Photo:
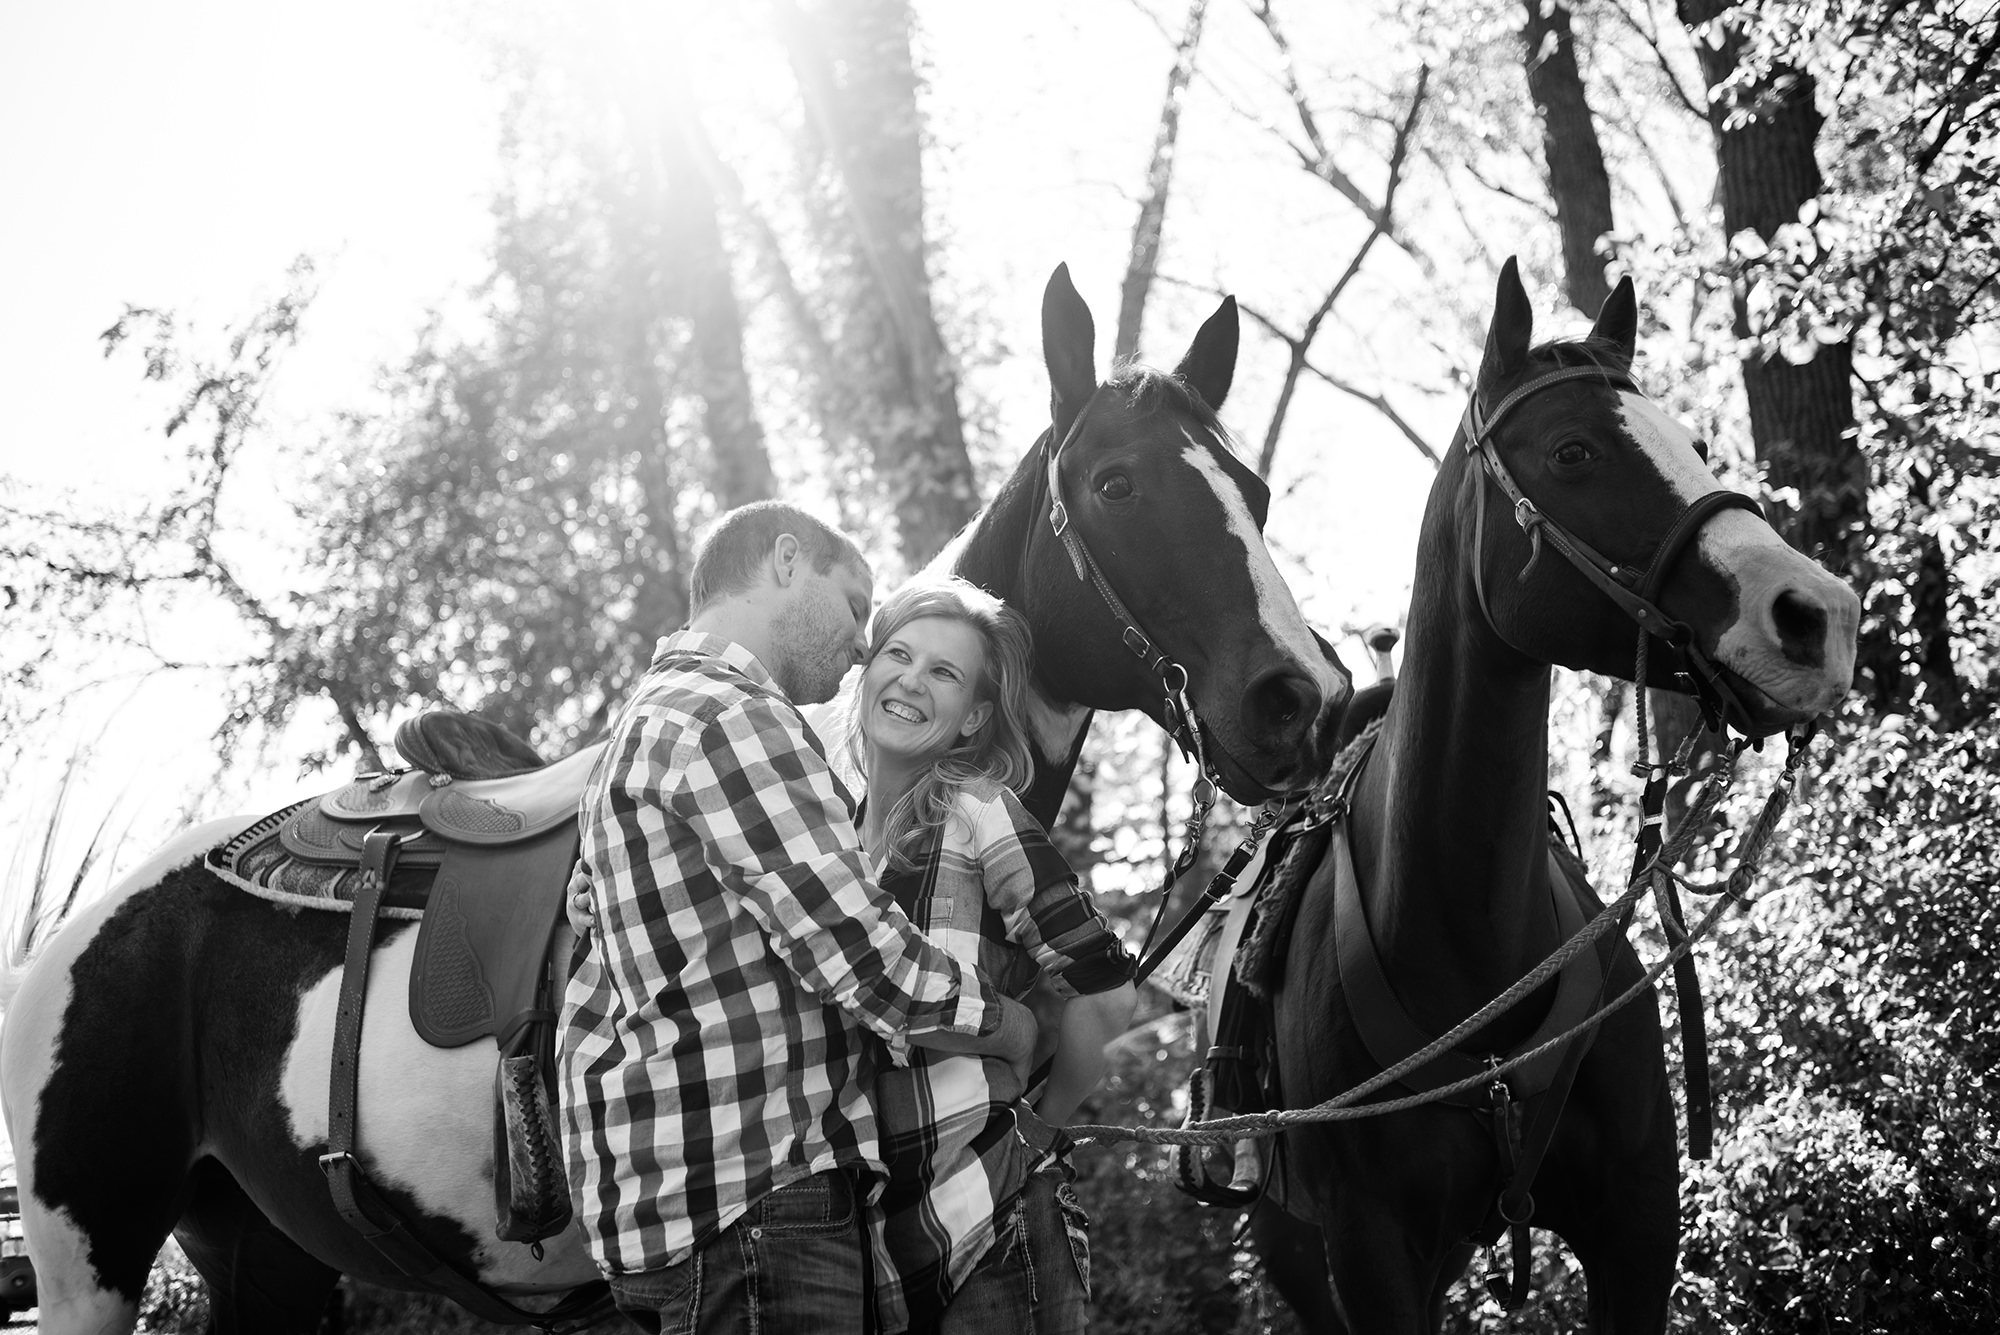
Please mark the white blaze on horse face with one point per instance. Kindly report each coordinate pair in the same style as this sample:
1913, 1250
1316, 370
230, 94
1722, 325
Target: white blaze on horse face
1762, 567
36, 1001
425, 1117
1277, 611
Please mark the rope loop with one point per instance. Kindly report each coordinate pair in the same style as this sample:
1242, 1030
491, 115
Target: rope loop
1350, 1105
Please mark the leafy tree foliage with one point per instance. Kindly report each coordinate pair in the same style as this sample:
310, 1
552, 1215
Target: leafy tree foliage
1858, 1036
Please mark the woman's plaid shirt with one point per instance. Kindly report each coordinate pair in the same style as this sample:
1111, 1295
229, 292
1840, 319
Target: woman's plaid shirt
715, 1033
991, 890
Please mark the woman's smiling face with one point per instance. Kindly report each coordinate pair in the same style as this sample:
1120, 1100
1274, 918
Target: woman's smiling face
920, 692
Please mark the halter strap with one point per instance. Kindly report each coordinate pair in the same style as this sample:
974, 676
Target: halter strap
1635, 592
1180, 718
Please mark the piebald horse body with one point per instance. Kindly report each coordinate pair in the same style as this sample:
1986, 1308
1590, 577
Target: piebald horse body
165, 1059
1449, 835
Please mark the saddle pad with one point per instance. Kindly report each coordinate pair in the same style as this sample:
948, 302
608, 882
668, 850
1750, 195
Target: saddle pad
1259, 963
259, 862
483, 946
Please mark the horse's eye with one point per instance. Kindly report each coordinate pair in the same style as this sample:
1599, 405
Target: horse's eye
1114, 487
1571, 454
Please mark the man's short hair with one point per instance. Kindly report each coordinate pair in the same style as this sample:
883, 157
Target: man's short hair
735, 548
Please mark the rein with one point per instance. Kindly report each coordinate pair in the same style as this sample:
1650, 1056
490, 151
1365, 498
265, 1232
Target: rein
1636, 593
1343, 1107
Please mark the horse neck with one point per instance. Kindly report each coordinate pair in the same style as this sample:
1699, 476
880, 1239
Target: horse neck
990, 553
1450, 841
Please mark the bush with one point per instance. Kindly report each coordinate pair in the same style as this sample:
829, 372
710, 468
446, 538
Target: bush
1857, 1030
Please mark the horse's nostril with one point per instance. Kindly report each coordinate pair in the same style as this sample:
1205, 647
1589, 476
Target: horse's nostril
1282, 703
1801, 626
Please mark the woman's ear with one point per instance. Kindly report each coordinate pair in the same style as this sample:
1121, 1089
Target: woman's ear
975, 720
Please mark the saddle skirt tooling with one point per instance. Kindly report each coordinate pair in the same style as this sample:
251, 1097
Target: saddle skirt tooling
483, 865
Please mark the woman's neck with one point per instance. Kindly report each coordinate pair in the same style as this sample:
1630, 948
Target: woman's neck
890, 778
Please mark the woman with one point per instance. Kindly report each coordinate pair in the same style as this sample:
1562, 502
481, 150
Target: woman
978, 1229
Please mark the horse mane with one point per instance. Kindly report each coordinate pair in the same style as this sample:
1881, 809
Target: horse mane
1145, 390
1592, 350
1004, 525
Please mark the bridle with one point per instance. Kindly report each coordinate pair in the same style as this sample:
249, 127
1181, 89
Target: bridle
1177, 709
1636, 592
1177, 716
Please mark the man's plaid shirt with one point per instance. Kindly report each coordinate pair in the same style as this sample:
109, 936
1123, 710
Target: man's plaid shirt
991, 890
713, 1040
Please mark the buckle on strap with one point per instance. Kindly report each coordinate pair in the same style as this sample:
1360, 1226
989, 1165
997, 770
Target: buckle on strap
337, 1159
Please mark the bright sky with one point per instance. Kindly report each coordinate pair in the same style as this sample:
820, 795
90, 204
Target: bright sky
182, 156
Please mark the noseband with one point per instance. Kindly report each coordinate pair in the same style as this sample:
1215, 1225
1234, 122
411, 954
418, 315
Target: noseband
1636, 592
1178, 714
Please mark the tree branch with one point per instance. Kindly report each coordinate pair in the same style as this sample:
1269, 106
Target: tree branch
1376, 401
1319, 160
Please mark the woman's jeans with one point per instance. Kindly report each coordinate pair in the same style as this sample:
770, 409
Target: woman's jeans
1036, 1278
796, 1261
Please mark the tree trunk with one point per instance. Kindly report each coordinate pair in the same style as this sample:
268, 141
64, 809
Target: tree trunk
705, 293
852, 60
1801, 417
1144, 261
1577, 179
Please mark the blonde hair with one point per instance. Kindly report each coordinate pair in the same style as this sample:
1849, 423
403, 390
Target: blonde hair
999, 750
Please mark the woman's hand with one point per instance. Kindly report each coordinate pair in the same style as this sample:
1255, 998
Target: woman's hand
1088, 1024
576, 903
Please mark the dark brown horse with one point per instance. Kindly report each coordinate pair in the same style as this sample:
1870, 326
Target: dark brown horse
165, 1060
1448, 829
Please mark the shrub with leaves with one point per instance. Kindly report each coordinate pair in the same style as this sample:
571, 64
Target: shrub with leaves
1857, 1032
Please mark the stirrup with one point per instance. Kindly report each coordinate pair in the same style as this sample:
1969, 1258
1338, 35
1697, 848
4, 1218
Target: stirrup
1191, 1175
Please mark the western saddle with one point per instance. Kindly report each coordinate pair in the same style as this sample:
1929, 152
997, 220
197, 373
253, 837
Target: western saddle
496, 837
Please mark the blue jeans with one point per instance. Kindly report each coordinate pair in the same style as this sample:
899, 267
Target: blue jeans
796, 1261
1036, 1278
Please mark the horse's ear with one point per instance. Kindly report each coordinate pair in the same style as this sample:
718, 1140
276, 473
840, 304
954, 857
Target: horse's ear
1618, 321
1210, 364
1069, 341
1513, 325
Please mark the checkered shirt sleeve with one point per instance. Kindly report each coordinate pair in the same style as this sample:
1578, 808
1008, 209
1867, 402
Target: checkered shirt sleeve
1047, 913
778, 833
719, 1028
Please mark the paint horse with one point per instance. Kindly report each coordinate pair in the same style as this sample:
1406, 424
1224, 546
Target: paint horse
166, 1058
1437, 890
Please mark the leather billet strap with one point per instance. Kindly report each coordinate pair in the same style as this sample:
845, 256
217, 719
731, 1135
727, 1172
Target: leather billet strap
359, 1202
1635, 592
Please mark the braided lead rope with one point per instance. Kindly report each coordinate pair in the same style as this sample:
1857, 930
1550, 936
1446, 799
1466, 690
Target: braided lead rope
1342, 1107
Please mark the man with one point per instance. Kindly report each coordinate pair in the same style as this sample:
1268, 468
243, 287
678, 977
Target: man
715, 1037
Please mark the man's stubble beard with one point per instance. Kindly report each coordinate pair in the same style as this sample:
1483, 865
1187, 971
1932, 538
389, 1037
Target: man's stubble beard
814, 656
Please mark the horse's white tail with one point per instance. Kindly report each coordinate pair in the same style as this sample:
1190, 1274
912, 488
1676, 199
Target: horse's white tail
34, 900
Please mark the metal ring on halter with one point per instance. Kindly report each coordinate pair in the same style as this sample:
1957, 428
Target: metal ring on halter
1527, 1210
1169, 670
